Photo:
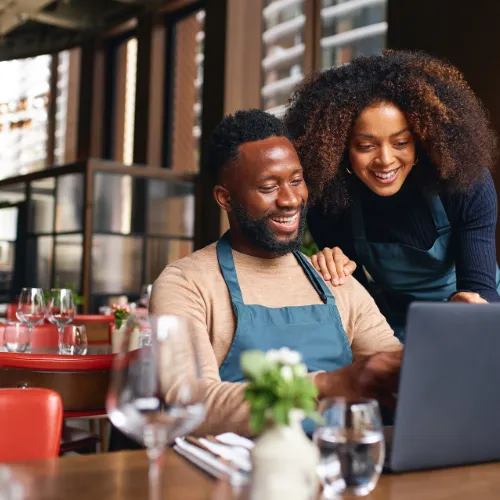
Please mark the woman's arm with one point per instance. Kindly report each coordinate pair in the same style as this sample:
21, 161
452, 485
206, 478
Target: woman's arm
474, 216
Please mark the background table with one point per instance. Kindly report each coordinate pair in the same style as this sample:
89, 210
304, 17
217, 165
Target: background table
123, 475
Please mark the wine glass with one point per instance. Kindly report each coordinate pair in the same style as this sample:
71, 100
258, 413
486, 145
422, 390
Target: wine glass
61, 310
351, 444
156, 393
31, 308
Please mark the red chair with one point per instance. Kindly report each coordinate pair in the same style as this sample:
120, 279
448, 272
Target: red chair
30, 423
10, 313
45, 335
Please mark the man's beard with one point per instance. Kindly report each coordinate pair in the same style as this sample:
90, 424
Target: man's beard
259, 233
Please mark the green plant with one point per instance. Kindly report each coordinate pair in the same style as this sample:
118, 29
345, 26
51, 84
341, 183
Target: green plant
77, 299
277, 383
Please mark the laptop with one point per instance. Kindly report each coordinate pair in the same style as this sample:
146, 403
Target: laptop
448, 408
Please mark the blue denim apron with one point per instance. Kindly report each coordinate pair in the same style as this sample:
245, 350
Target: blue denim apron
315, 331
402, 273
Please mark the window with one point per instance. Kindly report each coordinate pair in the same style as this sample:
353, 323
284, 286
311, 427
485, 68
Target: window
119, 115
351, 28
326, 33
186, 67
24, 99
284, 48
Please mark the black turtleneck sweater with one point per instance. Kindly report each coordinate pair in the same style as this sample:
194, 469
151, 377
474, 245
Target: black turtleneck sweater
406, 218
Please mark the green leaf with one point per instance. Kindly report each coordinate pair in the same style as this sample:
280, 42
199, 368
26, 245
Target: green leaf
257, 419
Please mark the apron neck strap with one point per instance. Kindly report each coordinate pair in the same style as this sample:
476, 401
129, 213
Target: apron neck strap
317, 282
228, 270
437, 211
357, 221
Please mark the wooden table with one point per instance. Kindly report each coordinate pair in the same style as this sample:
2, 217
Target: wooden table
123, 475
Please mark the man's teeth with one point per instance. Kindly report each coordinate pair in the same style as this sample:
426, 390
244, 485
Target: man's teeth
387, 175
285, 220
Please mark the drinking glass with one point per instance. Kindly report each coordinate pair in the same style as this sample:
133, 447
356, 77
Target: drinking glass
156, 394
16, 337
352, 447
61, 310
74, 340
31, 308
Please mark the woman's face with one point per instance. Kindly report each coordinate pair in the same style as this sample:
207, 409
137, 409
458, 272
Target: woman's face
382, 148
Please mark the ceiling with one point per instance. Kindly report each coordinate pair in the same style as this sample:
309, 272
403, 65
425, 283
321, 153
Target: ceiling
33, 27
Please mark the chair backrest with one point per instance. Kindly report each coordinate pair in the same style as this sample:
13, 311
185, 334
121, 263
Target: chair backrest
30, 424
10, 313
44, 335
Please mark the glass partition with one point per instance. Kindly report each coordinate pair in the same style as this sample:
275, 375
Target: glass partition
138, 222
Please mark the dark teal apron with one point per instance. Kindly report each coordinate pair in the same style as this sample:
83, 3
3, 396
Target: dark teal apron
401, 273
315, 331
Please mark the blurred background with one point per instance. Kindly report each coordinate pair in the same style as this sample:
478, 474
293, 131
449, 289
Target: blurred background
105, 106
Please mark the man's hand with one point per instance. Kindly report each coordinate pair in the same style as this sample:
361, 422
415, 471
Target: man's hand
375, 377
333, 265
470, 297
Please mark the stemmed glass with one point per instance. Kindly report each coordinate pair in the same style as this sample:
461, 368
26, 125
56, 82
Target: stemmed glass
31, 308
61, 310
156, 393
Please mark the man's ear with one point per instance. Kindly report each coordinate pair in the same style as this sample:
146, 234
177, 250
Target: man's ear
222, 197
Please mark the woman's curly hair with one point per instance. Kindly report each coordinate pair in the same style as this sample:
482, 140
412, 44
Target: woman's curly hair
453, 135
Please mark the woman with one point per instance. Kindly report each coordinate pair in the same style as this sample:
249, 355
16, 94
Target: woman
396, 150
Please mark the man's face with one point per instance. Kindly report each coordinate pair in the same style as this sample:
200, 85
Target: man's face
268, 195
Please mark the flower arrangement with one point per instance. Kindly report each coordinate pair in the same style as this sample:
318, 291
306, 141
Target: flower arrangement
277, 383
121, 314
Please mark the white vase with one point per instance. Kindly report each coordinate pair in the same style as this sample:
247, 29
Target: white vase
284, 463
117, 338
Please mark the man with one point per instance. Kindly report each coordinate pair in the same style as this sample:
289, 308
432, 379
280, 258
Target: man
254, 290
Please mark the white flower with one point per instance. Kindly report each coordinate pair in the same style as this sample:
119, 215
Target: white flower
288, 357
273, 356
286, 372
300, 370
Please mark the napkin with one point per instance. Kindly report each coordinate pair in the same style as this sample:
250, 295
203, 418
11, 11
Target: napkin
224, 456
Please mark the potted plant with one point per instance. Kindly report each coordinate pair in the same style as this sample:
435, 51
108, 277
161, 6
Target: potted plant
281, 395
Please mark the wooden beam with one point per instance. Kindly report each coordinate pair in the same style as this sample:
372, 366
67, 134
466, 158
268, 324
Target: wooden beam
51, 112
207, 213
84, 132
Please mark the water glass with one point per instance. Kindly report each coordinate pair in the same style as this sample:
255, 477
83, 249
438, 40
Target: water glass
61, 310
74, 340
352, 447
156, 392
16, 337
31, 308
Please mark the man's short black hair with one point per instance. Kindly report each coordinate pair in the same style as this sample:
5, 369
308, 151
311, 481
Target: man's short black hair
235, 130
